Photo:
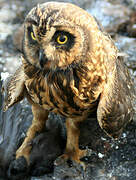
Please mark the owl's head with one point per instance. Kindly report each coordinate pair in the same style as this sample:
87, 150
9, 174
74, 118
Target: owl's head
58, 35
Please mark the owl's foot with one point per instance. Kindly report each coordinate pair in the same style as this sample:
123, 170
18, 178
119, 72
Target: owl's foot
24, 151
19, 167
74, 157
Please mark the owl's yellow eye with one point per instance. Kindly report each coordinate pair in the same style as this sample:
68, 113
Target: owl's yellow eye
62, 39
33, 36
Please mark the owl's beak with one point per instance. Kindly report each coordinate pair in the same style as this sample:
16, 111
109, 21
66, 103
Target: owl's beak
42, 58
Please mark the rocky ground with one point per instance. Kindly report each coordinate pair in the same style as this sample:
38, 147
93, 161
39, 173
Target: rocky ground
107, 159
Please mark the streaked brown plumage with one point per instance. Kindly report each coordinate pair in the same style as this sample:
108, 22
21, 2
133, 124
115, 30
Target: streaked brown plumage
13, 88
72, 68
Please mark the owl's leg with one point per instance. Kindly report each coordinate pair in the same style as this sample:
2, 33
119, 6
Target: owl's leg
38, 124
72, 150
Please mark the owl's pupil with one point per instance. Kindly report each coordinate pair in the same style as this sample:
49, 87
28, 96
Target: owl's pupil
62, 38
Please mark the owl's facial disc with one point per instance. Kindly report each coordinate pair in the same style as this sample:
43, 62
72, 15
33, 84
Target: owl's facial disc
61, 41
53, 40
44, 51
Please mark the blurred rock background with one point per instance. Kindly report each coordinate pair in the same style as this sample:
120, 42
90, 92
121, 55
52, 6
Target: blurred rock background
108, 159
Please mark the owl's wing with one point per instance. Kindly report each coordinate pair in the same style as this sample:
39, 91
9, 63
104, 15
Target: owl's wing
14, 88
116, 106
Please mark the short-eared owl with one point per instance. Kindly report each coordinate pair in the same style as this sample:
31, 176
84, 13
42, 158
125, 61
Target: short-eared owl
71, 68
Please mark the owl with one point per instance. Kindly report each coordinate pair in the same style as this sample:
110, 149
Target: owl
72, 68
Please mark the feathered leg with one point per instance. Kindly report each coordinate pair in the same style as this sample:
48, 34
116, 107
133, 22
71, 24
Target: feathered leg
38, 124
72, 150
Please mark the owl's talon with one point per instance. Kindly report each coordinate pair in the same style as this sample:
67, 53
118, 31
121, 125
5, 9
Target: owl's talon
61, 160
79, 165
64, 158
83, 166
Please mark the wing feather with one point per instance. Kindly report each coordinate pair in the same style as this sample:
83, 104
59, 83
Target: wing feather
14, 88
116, 106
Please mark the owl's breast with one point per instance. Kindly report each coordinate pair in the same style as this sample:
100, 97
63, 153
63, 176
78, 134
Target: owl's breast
55, 93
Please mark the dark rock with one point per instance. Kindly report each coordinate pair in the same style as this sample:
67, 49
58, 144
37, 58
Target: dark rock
18, 169
47, 147
128, 28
